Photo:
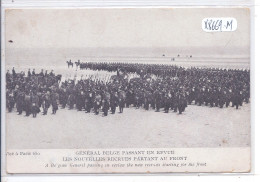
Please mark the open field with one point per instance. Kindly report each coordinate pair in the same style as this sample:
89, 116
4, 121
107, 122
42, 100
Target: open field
198, 126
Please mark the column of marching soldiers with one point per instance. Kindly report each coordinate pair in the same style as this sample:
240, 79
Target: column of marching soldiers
158, 86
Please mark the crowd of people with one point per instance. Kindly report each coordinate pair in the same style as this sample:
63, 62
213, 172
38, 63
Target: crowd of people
156, 86
30, 92
209, 86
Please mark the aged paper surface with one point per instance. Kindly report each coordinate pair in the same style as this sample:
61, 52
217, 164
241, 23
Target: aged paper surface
129, 160
127, 90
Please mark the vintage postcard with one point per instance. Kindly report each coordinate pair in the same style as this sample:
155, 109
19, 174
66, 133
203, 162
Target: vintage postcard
127, 90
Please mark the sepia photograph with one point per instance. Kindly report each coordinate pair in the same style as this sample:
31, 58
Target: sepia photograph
128, 78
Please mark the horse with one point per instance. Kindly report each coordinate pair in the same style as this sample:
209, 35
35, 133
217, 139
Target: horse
70, 63
77, 64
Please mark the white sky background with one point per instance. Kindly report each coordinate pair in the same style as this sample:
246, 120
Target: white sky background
121, 31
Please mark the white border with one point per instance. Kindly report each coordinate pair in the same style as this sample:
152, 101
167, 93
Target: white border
135, 3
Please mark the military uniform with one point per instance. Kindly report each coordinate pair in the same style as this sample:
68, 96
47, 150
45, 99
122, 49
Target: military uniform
35, 105
113, 102
97, 103
105, 106
28, 104
54, 102
20, 105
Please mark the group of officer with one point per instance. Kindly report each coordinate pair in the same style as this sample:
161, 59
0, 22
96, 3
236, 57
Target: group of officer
32, 92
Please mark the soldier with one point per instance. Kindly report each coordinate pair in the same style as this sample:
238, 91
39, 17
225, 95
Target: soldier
35, 104
208, 98
138, 99
246, 94
33, 72
29, 73
63, 97
181, 102
7, 75
97, 102
51, 73
46, 102
221, 99
113, 102
28, 103
191, 95
71, 101
174, 101
236, 98
41, 73
105, 106
89, 101
20, 102
129, 97
80, 98
212, 97
158, 98
13, 72
54, 102
121, 100
167, 102
147, 99
10, 100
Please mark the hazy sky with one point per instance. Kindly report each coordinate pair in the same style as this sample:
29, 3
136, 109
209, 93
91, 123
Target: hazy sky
104, 28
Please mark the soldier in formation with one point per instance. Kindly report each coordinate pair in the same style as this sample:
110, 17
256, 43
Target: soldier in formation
29, 93
159, 87
213, 87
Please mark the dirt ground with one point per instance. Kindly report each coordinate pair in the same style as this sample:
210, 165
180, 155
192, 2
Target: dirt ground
198, 126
